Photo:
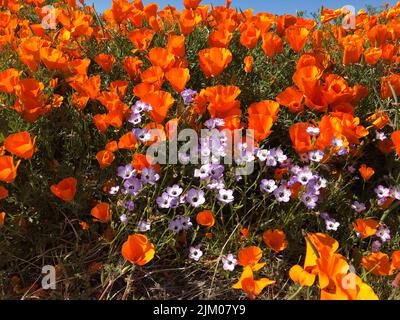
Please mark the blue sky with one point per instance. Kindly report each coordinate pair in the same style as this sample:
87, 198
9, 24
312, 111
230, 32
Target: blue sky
273, 6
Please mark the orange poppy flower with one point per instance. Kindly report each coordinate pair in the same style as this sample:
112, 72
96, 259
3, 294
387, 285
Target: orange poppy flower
396, 140
271, 44
9, 79
323, 244
65, 189
178, 78
3, 193
111, 146
372, 55
244, 233
275, 239
161, 102
366, 172
141, 38
301, 139
8, 170
396, 260
222, 101
353, 48
248, 64
191, 4
388, 83
2, 218
188, 20
132, 66
249, 36
176, 45
250, 256
138, 250
292, 98
220, 37
379, 119
307, 78
377, 263
329, 267
105, 158
105, 61
100, 122
101, 212
161, 57
213, 61
302, 277
296, 36
20, 144
127, 141
365, 227
265, 107
141, 89
261, 124
141, 161
251, 286
154, 76
205, 218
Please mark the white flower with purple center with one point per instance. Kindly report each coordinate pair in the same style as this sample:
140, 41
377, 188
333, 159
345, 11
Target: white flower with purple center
128, 205
279, 155
380, 136
215, 184
149, 176
382, 192
309, 199
144, 225
383, 233
175, 226
304, 176
126, 172
195, 197
268, 185
143, 135
165, 201
214, 123
303, 157
140, 107
124, 219
313, 131
336, 142
185, 222
331, 224
282, 194
262, 154
324, 215
195, 253
315, 155
188, 96
216, 171
225, 195
229, 262
113, 190
351, 169
174, 191
135, 118
358, 206
132, 186
376, 246
395, 193
203, 172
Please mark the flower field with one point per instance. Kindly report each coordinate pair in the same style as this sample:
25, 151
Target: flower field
205, 153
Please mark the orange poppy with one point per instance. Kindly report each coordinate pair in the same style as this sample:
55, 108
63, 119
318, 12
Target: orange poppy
141, 161
292, 98
141, 38
377, 263
105, 158
220, 37
249, 36
329, 267
105, 61
154, 76
302, 277
111, 146
388, 83
138, 250
365, 227
188, 20
372, 55
9, 79
191, 4
20, 144
250, 256
53, 59
162, 58
248, 64
2, 218
275, 239
132, 65
396, 260
301, 139
8, 170
65, 189
127, 141
366, 172
265, 107
379, 119
307, 78
178, 78
261, 124
296, 36
222, 101
213, 61
161, 102
3, 193
396, 140
321, 244
271, 44
251, 286
176, 45
101, 212
205, 218
100, 122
